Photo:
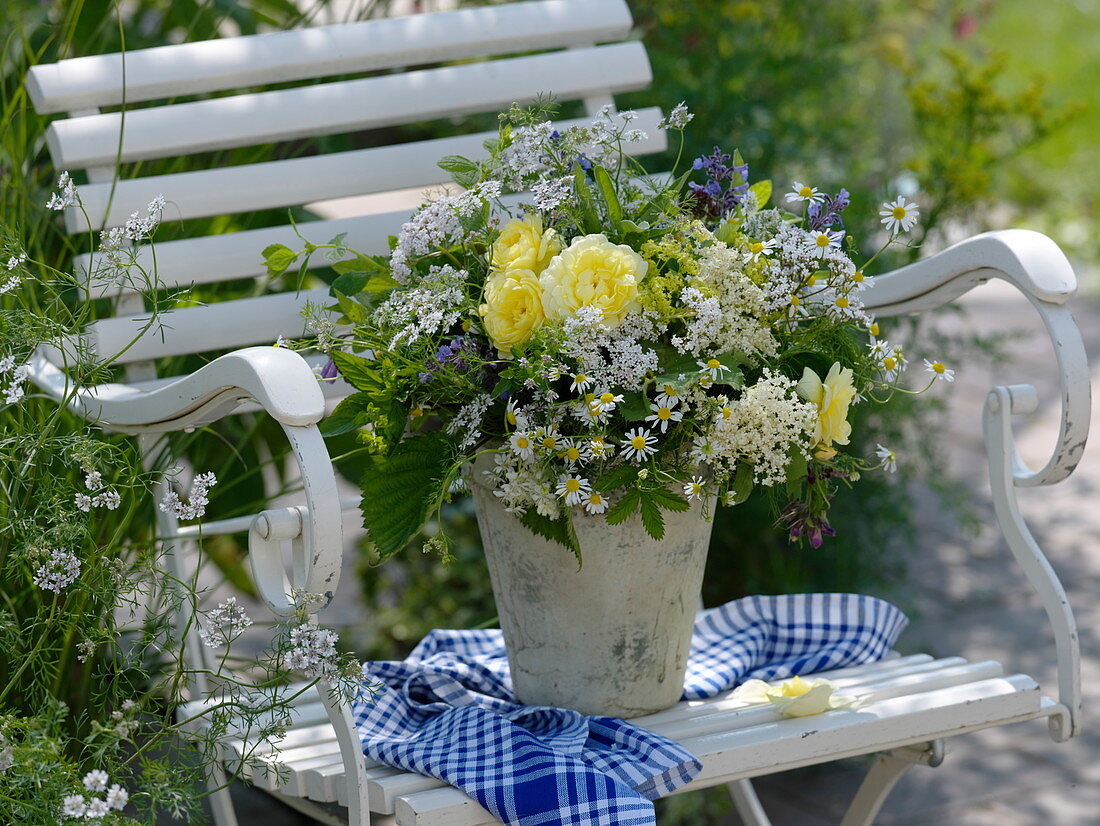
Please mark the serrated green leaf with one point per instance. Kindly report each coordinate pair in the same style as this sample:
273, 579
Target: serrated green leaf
669, 500
618, 477
634, 407
357, 371
356, 312
362, 263
763, 192
558, 530
610, 198
349, 414
652, 519
278, 257
399, 490
624, 508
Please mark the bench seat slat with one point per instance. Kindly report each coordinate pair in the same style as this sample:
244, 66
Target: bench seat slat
344, 106
238, 62
300, 180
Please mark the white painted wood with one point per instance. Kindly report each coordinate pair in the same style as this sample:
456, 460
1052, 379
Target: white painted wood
238, 62
345, 106
885, 772
748, 804
300, 180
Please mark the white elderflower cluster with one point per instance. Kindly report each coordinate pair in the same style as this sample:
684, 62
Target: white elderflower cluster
312, 651
468, 420
104, 497
431, 308
519, 485
195, 507
760, 427
436, 224
224, 624
87, 807
611, 357
729, 316
13, 391
58, 571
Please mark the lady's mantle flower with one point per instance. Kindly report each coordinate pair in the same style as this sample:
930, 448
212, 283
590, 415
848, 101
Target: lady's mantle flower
593, 272
58, 572
662, 415
832, 397
888, 457
595, 503
224, 624
575, 489
939, 371
639, 444
802, 192
795, 697
195, 507
899, 215
695, 488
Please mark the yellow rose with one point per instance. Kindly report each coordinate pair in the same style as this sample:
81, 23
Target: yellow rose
832, 397
523, 245
796, 697
593, 272
513, 308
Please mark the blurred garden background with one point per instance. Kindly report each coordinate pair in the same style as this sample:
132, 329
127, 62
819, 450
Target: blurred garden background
982, 111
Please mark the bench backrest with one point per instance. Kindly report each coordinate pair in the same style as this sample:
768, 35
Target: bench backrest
203, 97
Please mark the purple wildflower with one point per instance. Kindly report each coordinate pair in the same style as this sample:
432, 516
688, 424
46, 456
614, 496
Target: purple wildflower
824, 215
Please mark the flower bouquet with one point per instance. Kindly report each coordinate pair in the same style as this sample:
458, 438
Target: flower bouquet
609, 348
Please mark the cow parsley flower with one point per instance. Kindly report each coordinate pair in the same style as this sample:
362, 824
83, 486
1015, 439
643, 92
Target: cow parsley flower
74, 805
195, 507
224, 624
550, 193
10, 284
97, 808
678, 118
899, 215
57, 572
117, 797
65, 196
7, 754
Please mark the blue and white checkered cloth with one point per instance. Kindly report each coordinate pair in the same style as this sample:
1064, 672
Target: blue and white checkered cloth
448, 710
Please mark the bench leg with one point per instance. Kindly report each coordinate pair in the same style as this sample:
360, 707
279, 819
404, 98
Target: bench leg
747, 803
221, 803
885, 772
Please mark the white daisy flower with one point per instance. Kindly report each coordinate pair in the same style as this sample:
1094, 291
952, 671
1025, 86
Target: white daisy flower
639, 444
548, 439
512, 414
802, 192
598, 448
879, 348
695, 488
795, 308
595, 503
899, 215
574, 489
570, 454
702, 450
938, 370
607, 401
888, 458
662, 415
825, 240
761, 248
523, 445
580, 382
668, 397
711, 366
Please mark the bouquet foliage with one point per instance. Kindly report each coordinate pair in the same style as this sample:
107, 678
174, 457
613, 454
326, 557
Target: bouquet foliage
622, 342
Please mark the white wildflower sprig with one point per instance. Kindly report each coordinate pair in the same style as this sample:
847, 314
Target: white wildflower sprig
678, 118
888, 458
312, 651
65, 196
939, 371
224, 624
195, 507
58, 571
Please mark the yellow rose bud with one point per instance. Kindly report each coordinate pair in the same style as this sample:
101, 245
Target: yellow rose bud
593, 272
523, 245
832, 397
513, 308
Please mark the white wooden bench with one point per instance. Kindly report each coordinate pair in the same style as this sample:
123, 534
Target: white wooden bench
916, 701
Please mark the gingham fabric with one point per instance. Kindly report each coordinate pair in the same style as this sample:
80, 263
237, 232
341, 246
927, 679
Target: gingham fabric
448, 710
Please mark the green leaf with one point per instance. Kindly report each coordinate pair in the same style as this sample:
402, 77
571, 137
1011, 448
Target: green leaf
456, 163
357, 371
356, 312
278, 258
797, 467
742, 484
400, 490
590, 221
607, 190
669, 500
350, 414
350, 283
624, 508
558, 530
652, 519
362, 263
618, 477
634, 407
763, 192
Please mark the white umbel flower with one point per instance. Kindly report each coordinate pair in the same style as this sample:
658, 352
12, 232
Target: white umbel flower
96, 780
74, 805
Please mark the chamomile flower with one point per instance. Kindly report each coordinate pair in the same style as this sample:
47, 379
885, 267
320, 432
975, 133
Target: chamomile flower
547, 439
859, 281
595, 503
888, 458
668, 397
571, 454
695, 488
939, 371
580, 382
599, 448
823, 241
702, 451
795, 308
880, 348
711, 366
574, 489
512, 414
607, 401
639, 444
523, 445
899, 215
802, 192
662, 415
761, 248
873, 330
